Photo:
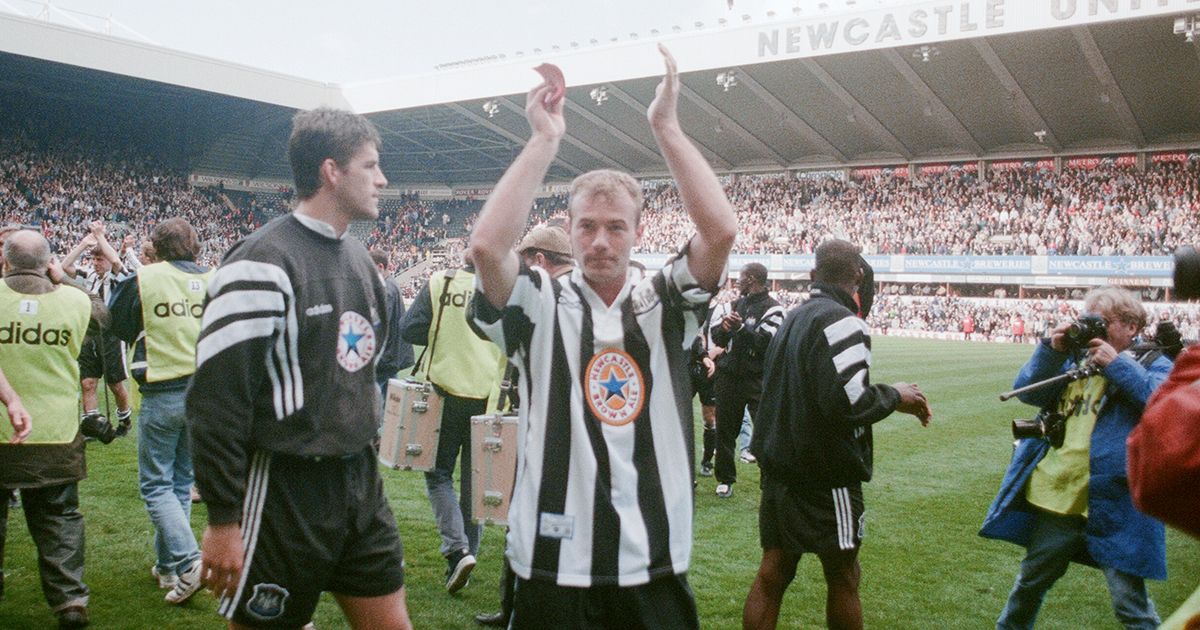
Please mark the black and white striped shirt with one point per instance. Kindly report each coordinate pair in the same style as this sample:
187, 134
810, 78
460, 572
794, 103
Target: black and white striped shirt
101, 286
604, 489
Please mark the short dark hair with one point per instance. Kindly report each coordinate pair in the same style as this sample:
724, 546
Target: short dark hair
758, 271
321, 134
837, 262
379, 257
175, 239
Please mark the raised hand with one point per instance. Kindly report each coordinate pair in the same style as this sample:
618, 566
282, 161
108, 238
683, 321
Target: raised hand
545, 120
54, 270
663, 111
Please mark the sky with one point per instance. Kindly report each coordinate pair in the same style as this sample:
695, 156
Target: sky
349, 41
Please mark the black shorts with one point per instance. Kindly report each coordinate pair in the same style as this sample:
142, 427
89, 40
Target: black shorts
311, 525
102, 355
665, 602
803, 520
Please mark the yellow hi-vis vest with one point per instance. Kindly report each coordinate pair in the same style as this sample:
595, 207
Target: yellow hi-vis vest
172, 304
40, 339
460, 363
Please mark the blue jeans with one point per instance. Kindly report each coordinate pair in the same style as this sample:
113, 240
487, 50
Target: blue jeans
746, 433
453, 514
165, 478
1055, 540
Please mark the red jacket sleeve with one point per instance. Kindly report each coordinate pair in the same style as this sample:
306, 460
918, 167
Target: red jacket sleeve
1164, 449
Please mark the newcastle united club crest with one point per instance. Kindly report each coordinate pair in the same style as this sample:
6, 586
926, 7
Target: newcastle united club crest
355, 341
267, 602
616, 390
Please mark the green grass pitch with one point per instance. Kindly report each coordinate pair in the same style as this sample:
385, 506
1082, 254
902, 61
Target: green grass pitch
923, 564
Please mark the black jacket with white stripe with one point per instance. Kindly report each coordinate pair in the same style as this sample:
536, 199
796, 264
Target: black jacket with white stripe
292, 327
818, 404
746, 346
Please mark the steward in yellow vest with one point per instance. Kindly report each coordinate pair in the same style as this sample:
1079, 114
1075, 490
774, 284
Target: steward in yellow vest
459, 362
158, 311
466, 369
164, 300
41, 331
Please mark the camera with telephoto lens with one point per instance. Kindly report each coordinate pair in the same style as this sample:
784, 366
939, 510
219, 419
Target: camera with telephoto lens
1085, 329
96, 426
1048, 425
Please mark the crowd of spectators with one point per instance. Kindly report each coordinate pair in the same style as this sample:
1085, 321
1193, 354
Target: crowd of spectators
981, 318
1016, 320
1103, 211
407, 228
63, 190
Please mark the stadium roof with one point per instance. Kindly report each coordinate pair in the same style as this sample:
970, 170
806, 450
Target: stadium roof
818, 85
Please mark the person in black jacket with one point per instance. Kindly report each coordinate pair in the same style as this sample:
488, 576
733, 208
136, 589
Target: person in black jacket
813, 441
284, 409
744, 334
397, 354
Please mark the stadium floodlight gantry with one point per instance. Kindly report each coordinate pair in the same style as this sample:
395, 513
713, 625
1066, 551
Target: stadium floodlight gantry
838, 85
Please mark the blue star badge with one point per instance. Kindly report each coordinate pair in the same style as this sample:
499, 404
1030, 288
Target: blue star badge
352, 338
614, 385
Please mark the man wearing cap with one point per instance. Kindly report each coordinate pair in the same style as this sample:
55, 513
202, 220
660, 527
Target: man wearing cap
546, 246
743, 333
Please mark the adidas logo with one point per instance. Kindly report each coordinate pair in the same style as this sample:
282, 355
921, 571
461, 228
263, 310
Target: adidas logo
15, 333
182, 308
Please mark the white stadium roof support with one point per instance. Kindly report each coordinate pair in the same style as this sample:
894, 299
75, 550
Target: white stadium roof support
782, 37
98, 51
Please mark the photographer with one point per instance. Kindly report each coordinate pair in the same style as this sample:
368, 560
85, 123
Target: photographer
1071, 502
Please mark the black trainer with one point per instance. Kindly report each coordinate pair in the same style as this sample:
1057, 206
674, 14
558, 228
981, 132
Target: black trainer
458, 570
124, 421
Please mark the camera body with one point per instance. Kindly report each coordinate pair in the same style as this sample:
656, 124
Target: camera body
1085, 329
1048, 425
96, 426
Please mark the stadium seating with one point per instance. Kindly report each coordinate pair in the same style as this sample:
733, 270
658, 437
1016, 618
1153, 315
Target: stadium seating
1102, 211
